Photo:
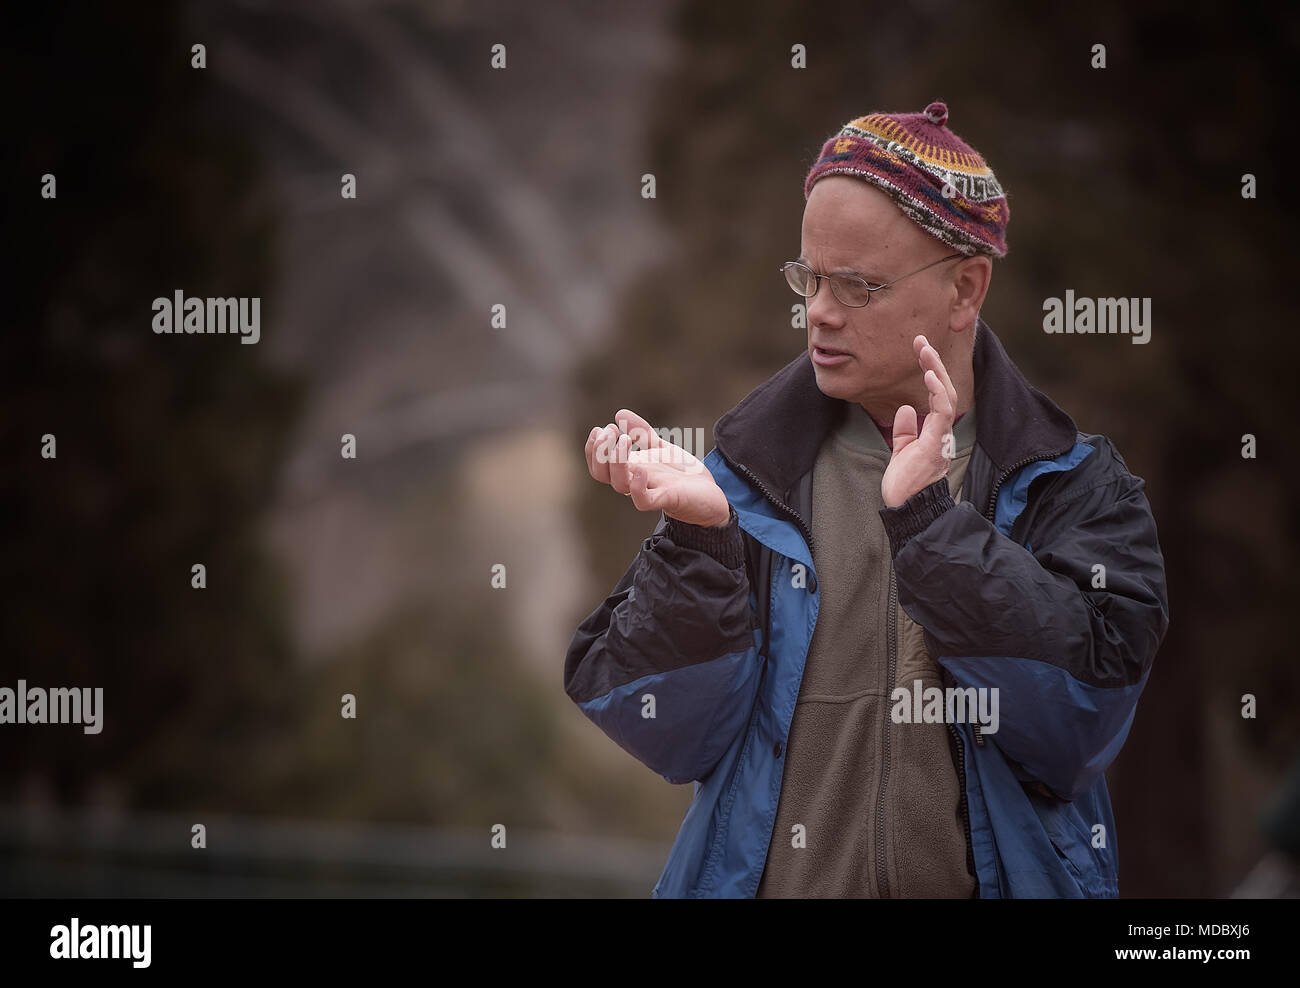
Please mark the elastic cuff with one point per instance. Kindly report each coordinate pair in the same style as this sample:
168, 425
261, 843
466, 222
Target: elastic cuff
722, 542
914, 515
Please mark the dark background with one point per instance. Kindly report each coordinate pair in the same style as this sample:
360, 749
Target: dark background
522, 187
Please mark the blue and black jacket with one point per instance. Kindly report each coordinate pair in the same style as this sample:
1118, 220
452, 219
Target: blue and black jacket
1046, 582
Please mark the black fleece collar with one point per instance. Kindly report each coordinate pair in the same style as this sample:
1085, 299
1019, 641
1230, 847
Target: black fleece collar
776, 430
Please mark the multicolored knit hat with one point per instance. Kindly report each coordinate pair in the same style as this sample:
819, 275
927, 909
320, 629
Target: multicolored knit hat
915, 158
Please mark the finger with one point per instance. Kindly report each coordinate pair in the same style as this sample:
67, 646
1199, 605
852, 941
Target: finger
639, 429
904, 428
648, 438
939, 401
589, 450
595, 439
939, 420
930, 360
939, 423
593, 443
645, 498
618, 464
604, 452
672, 456
658, 472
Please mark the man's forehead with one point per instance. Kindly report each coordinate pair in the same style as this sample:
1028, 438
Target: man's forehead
850, 226
836, 259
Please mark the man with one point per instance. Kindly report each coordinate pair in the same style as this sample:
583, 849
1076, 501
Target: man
895, 625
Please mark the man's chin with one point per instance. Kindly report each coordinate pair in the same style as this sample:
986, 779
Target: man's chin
833, 383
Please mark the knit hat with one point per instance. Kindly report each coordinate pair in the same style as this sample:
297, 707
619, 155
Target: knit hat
914, 157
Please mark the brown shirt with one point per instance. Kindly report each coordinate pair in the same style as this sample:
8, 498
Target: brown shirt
875, 804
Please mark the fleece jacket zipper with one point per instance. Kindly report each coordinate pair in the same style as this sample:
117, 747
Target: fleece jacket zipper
882, 869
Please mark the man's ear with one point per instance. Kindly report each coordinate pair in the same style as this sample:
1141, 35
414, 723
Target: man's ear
971, 284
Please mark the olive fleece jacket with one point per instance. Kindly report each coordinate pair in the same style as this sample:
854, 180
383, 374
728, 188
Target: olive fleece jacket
878, 801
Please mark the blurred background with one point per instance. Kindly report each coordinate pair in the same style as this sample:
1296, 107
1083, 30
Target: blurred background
521, 186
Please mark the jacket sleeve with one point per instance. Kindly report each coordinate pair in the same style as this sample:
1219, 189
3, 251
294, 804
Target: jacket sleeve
1068, 645
668, 665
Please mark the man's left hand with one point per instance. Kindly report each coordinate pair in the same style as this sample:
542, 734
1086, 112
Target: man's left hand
918, 461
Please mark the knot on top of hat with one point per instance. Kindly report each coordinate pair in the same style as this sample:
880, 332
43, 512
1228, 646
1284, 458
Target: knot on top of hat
937, 113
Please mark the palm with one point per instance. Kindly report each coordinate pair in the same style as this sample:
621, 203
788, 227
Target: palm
689, 492
658, 475
918, 465
918, 460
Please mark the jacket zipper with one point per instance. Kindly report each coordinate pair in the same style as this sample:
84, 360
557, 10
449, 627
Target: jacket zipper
798, 520
963, 802
749, 475
965, 810
882, 869
993, 497
989, 513
952, 728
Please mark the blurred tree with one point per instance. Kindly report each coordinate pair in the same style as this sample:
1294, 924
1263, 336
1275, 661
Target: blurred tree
167, 446
168, 449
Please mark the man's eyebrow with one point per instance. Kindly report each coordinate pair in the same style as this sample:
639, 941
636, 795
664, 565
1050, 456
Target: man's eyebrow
871, 278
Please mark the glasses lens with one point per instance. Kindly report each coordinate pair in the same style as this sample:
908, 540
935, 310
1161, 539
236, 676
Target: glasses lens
801, 279
849, 290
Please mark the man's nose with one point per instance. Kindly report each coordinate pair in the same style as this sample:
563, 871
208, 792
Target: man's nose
823, 307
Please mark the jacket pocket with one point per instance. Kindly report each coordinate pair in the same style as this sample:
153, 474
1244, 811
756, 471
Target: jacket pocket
1071, 838
720, 823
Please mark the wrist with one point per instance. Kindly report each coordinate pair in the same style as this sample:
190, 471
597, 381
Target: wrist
722, 542
896, 500
722, 520
913, 516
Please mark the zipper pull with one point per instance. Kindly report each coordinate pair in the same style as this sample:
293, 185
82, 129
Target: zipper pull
979, 737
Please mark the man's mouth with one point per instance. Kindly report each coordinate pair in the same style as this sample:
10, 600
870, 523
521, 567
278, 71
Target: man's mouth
829, 351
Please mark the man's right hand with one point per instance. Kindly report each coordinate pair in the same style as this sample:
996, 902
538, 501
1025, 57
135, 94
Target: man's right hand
658, 475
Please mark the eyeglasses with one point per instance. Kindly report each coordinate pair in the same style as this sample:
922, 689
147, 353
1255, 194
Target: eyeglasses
849, 289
